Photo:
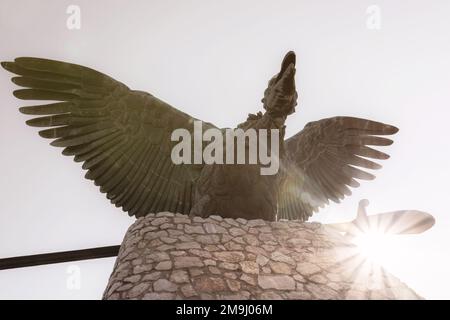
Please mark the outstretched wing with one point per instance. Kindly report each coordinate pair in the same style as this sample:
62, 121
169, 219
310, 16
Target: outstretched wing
121, 136
322, 163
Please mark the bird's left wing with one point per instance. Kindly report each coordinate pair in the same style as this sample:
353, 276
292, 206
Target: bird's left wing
322, 163
122, 136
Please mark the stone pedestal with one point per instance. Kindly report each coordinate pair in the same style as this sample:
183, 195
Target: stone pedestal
171, 256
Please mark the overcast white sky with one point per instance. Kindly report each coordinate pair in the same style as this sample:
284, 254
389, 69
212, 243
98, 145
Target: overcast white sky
212, 59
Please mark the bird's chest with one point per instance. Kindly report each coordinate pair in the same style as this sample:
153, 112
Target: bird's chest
236, 191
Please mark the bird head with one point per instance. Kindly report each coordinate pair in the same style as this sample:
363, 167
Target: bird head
280, 97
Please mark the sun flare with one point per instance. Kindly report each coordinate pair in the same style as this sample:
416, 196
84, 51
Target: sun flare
375, 246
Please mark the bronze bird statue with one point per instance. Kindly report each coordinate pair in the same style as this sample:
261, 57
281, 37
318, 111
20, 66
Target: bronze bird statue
123, 138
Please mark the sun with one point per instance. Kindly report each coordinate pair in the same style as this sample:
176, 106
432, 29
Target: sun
376, 246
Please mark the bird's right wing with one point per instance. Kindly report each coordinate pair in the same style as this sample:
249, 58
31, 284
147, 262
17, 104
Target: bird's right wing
122, 136
322, 163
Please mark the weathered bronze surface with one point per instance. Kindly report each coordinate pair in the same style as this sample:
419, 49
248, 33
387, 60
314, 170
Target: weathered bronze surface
122, 136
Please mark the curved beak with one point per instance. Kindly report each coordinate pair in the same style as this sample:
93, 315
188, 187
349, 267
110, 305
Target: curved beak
287, 72
289, 58
280, 97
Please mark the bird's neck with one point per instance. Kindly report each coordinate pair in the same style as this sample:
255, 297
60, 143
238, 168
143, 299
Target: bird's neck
264, 121
278, 121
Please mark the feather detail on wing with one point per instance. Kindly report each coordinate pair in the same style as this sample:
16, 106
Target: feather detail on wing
122, 136
324, 160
